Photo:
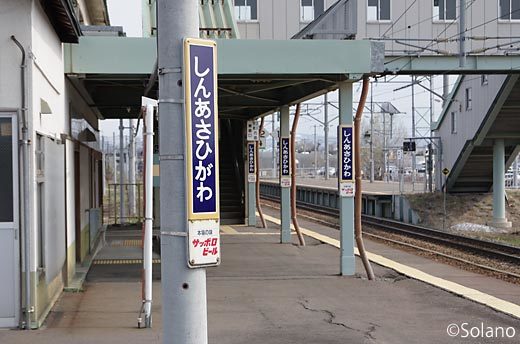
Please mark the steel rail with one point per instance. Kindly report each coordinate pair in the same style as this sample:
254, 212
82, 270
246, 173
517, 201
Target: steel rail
485, 248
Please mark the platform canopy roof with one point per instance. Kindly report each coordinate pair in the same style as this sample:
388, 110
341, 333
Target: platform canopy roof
255, 77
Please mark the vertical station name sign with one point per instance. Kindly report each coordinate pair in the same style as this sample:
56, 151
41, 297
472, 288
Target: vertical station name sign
251, 162
200, 80
346, 161
285, 167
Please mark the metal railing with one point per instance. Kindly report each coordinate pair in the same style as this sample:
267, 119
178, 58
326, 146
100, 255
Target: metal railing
129, 209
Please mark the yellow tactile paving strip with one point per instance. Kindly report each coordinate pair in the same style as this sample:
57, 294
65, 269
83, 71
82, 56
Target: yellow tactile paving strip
122, 261
126, 243
458, 289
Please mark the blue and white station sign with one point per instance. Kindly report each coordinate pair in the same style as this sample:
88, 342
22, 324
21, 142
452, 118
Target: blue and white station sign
200, 80
251, 162
346, 161
285, 162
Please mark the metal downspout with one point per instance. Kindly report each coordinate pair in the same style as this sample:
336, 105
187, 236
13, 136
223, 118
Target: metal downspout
294, 216
357, 167
25, 158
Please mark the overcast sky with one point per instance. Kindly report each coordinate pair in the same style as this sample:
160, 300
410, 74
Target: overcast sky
127, 13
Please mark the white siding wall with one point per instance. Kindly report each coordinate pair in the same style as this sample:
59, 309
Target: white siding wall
15, 21
417, 22
276, 20
47, 83
468, 121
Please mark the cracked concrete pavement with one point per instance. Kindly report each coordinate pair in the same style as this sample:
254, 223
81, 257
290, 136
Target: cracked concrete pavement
265, 292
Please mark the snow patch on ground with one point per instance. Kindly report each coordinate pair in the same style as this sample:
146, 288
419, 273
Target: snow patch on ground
472, 227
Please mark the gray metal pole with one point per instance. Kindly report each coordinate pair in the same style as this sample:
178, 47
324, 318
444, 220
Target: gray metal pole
121, 172
315, 154
413, 132
326, 133
114, 169
346, 204
251, 192
131, 169
103, 165
499, 194
184, 305
285, 199
462, 29
385, 164
273, 145
371, 133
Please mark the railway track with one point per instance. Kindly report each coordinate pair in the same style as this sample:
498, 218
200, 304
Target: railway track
482, 248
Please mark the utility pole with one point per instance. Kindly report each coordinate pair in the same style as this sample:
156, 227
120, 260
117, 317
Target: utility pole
114, 169
462, 29
385, 172
326, 133
273, 145
121, 172
184, 305
413, 132
103, 165
371, 132
131, 169
315, 153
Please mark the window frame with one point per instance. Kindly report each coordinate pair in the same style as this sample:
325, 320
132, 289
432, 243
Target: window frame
442, 21
468, 95
304, 21
245, 20
378, 21
453, 122
509, 20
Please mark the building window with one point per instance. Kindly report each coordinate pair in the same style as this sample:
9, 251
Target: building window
509, 9
453, 122
246, 10
378, 10
469, 98
444, 9
311, 9
484, 79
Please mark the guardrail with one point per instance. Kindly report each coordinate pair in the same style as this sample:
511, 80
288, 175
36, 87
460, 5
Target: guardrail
321, 197
326, 200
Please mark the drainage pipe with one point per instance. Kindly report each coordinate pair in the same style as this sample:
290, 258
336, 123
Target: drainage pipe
25, 170
148, 222
293, 176
357, 166
257, 163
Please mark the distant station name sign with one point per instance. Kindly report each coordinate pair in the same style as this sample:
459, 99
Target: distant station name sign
346, 161
200, 80
409, 146
251, 162
285, 162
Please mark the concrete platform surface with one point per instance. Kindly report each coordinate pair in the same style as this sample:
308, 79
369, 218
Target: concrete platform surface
265, 292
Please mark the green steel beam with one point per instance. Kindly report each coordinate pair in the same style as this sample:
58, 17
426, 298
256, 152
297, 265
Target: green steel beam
129, 55
476, 64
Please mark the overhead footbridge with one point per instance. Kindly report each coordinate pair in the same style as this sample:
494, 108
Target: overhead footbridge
480, 123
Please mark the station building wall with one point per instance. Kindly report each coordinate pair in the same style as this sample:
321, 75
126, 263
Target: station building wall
52, 173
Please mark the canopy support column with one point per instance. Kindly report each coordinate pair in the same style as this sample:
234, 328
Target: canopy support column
499, 192
346, 204
285, 190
